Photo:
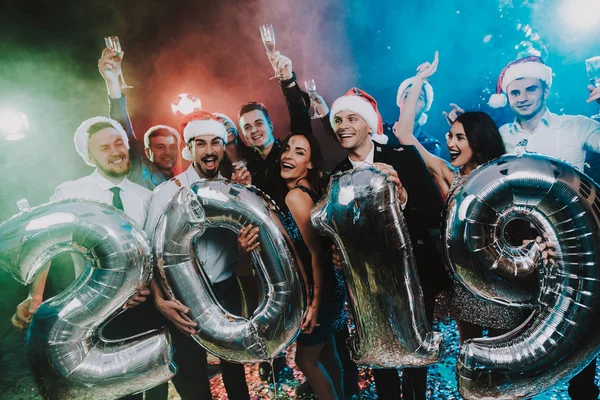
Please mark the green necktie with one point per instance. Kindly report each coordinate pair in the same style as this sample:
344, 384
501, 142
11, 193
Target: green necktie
117, 202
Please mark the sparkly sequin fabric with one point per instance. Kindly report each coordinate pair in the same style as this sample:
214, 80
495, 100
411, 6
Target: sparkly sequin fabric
464, 306
331, 316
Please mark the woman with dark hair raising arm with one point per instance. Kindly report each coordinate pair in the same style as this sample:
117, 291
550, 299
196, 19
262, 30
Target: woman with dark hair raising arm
472, 140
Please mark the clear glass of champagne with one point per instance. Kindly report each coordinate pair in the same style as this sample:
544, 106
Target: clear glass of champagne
592, 66
267, 33
112, 42
311, 89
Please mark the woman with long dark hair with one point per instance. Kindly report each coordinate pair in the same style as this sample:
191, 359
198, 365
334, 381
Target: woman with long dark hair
472, 140
300, 167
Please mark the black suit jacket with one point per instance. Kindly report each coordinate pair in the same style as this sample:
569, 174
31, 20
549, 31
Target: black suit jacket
423, 211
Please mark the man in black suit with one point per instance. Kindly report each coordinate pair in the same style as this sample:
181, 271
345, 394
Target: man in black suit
357, 125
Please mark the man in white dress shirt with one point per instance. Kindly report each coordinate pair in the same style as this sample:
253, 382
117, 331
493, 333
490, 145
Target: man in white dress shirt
526, 83
217, 253
102, 143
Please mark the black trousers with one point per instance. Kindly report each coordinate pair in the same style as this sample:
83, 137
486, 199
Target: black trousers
582, 386
387, 381
414, 380
192, 381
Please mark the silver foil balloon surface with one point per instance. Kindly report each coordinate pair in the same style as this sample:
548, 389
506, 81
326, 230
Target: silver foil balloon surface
361, 212
68, 356
563, 334
221, 204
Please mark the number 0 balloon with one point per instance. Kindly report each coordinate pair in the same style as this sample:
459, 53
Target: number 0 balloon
221, 204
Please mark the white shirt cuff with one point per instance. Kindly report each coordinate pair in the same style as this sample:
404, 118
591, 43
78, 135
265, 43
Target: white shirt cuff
403, 205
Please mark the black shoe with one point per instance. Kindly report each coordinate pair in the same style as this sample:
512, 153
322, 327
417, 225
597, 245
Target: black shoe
282, 371
304, 389
264, 371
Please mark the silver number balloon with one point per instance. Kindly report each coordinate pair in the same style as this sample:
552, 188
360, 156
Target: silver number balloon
360, 211
563, 335
69, 357
221, 204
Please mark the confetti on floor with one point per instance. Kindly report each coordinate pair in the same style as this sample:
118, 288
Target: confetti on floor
441, 380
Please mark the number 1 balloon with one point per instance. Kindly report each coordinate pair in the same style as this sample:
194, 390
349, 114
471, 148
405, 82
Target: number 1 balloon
360, 211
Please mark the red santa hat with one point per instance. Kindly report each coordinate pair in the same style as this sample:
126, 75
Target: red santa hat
407, 83
161, 127
200, 123
82, 136
363, 104
527, 67
224, 119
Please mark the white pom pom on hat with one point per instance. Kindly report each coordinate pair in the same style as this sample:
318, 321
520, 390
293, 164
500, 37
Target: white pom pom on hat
527, 67
82, 136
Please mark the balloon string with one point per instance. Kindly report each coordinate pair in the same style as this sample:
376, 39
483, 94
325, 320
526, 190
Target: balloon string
274, 380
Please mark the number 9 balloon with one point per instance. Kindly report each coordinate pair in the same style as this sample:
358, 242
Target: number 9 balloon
563, 334
68, 355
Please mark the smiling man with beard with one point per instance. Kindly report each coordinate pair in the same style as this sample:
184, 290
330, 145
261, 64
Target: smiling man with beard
103, 144
216, 253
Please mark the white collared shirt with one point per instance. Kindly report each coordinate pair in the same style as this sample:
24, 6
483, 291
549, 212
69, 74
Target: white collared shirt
216, 249
367, 161
567, 137
135, 198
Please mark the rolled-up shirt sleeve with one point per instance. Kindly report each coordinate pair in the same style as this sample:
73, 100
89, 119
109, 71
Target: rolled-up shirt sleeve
590, 130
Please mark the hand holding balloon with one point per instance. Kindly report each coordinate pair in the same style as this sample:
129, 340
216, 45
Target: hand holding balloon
338, 261
25, 310
248, 239
138, 298
546, 250
392, 176
175, 312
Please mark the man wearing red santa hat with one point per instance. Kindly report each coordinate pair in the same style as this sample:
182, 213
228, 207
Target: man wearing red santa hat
206, 138
526, 83
359, 129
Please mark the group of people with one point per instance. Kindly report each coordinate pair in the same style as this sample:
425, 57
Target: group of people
291, 172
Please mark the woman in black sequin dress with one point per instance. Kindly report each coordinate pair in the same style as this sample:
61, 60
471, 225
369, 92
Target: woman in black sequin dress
316, 356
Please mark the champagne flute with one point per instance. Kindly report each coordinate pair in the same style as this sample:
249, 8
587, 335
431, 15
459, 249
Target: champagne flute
112, 42
311, 89
267, 33
592, 66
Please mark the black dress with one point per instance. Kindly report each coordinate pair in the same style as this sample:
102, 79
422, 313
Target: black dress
331, 318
